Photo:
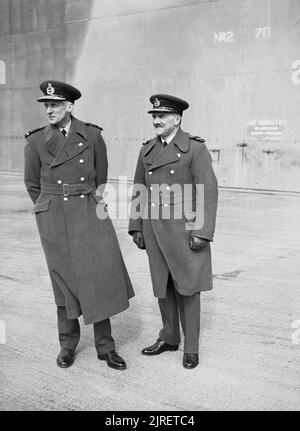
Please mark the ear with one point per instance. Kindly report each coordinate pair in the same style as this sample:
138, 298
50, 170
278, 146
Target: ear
70, 107
177, 120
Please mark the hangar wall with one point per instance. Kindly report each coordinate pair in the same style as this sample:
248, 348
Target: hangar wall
237, 62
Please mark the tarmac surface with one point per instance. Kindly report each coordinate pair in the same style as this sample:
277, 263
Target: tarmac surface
250, 337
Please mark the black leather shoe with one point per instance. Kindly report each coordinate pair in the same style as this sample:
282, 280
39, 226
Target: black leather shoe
190, 360
65, 358
113, 360
158, 347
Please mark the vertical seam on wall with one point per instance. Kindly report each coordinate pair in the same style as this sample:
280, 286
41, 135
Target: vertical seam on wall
65, 33
9, 70
243, 57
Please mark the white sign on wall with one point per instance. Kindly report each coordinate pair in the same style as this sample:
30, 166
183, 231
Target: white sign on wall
2, 72
2, 332
296, 74
266, 130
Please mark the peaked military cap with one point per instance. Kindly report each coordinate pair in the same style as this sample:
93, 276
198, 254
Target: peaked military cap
166, 103
58, 91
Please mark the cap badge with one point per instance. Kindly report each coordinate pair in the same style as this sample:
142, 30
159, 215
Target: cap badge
50, 90
156, 103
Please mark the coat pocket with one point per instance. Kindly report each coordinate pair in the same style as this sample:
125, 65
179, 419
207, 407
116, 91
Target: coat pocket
41, 206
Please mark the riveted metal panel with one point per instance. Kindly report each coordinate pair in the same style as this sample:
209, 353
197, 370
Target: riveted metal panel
236, 61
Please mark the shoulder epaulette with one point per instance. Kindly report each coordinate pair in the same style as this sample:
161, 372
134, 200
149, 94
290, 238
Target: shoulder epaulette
33, 131
94, 125
197, 138
147, 142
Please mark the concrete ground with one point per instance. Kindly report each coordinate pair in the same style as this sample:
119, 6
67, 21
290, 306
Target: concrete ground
249, 345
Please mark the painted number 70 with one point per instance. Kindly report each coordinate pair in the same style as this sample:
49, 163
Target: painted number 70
262, 33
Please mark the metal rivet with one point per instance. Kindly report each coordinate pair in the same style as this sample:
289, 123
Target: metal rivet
80, 144
65, 198
82, 179
81, 161
172, 172
153, 204
82, 196
150, 173
59, 181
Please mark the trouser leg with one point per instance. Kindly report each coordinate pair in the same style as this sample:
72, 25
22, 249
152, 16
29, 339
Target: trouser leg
170, 332
104, 341
68, 330
189, 311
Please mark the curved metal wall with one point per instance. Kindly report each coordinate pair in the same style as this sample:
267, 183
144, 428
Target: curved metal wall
237, 62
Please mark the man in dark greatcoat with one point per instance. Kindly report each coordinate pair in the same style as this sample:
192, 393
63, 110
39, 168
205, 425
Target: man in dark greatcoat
173, 217
65, 162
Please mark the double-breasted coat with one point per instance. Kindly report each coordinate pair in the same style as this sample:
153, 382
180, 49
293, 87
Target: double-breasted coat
180, 167
87, 271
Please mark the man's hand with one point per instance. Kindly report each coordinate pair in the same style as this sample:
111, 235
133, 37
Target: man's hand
138, 238
197, 243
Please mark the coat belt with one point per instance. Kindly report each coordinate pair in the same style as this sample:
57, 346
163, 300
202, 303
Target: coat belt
68, 189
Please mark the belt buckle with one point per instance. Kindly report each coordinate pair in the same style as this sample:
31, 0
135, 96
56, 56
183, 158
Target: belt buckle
66, 189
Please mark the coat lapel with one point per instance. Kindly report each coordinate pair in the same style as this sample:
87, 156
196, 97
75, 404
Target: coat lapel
75, 143
170, 153
182, 141
54, 140
152, 151
165, 156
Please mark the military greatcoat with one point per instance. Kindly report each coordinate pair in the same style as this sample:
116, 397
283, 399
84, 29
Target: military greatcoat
86, 267
185, 161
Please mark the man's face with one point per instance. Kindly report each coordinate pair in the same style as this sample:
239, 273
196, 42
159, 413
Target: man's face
58, 112
165, 124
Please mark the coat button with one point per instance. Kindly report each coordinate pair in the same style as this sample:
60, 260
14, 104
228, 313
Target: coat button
81, 161
82, 196
59, 181
65, 198
80, 144
172, 171
150, 173
178, 155
82, 179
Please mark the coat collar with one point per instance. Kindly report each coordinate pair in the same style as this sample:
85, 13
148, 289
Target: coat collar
149, 145
155, 156
62, 148
182, 141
